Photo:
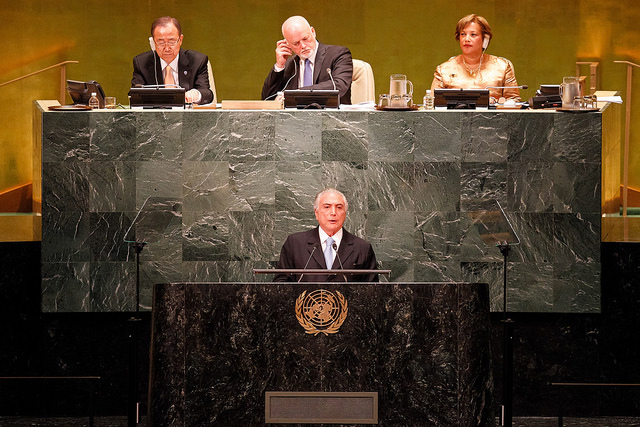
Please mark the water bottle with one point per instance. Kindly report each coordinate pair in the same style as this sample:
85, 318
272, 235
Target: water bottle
427, 101
93, 101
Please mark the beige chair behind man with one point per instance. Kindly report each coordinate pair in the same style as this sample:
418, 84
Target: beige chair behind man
212, 84
363, 86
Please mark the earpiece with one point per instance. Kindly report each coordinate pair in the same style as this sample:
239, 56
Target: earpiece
153, 49
485, 43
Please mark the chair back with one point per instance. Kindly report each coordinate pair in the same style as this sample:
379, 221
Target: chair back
363, 86
212, 83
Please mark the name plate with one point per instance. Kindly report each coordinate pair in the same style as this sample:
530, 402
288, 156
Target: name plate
291, 407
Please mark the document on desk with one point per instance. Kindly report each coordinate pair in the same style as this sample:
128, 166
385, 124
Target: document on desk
361, 106
615, 99
251, 105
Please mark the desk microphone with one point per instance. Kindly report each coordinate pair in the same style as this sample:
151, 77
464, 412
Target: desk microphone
502, 100
332, 81
305, 266
508, 87
335, 248
152, 44
295, 73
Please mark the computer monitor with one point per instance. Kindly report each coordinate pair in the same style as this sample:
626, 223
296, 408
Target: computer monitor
80, 92
461, 98
311, 99
156, 97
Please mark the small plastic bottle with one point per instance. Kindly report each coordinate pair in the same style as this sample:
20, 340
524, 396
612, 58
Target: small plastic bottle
427, 101
93, 101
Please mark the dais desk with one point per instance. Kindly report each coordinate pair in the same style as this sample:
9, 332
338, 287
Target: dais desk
248, 178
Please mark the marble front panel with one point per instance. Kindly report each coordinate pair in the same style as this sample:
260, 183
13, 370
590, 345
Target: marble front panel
218, 348
247, 179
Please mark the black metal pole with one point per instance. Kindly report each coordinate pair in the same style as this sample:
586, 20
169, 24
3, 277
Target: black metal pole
507, 349
133, 412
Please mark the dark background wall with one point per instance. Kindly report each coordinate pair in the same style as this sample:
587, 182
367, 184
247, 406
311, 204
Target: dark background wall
548, 347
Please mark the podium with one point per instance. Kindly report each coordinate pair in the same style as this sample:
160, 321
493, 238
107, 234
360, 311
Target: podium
219, 350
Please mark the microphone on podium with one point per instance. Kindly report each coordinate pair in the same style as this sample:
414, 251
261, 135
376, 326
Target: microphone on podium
335, 248
332, 81
305, 266
502, 99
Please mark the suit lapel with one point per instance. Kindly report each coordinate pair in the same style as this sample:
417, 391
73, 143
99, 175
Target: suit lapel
319, 64
291, 69
158, 78
318, 256
184, 70
345, 251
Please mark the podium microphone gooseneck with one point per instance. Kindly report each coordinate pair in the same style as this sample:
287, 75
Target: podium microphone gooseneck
332, 81
502, 100
305, 266
508, 87
335, 248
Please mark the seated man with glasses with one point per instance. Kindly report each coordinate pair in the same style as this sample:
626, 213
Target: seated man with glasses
173, 65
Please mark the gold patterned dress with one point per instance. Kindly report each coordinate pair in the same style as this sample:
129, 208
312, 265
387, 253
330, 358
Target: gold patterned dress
494, 71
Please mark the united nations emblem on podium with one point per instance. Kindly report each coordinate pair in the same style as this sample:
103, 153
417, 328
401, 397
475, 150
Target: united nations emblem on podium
321, 311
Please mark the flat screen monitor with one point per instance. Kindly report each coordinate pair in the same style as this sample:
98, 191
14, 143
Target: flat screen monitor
311, 99
80, 92
156, 97
461, 98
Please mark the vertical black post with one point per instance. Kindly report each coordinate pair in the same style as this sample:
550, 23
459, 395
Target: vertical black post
507, 349
133, 408
92, 400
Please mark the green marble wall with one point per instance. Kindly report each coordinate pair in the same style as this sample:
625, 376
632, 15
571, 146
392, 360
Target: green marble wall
247, 179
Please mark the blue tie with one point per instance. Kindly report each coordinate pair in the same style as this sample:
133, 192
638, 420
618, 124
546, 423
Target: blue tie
328, 255
308, 74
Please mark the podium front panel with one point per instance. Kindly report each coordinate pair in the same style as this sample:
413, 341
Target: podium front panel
422, 347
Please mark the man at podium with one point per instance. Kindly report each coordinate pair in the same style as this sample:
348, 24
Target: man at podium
328, 246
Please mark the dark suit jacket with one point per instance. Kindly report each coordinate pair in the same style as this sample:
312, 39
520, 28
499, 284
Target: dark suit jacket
298, 250
192, 72
337, 58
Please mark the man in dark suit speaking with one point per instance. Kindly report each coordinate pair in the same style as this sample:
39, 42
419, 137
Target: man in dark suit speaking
167, 63
316, 248
302, 63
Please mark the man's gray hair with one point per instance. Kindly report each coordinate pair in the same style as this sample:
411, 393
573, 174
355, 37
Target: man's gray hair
316, 201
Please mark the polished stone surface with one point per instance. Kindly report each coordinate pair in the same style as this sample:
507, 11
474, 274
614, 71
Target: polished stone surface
517, 422
246, 179
424, 348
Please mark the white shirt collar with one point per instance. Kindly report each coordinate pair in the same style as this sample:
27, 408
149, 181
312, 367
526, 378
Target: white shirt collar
323, 238
311, 58
174, 63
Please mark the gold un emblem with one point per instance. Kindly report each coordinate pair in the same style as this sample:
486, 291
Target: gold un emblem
321, 311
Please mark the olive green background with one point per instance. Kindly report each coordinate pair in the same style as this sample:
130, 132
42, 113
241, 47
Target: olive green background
542, 38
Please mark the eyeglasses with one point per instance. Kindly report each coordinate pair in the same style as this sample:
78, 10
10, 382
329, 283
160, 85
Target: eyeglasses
170, 43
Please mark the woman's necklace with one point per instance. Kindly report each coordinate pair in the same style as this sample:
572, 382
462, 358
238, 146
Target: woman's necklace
469, 70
